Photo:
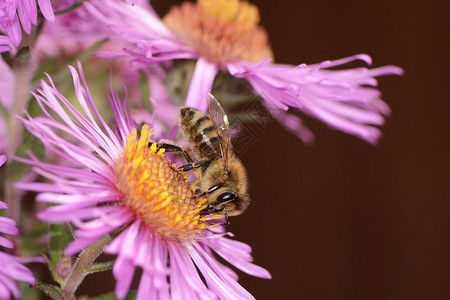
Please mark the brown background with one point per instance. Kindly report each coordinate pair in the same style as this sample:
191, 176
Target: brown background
343, 219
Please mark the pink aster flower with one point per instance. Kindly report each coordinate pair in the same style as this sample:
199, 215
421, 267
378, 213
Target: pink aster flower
12, 267
225, 36
74, 32
14, 13
71, 33
114, 180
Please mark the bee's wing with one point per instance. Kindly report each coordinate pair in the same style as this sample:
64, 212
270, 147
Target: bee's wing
221, 124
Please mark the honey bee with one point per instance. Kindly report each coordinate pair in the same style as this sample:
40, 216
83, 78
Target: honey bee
223, 178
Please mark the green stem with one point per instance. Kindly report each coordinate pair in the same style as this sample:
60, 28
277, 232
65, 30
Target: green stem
82, 266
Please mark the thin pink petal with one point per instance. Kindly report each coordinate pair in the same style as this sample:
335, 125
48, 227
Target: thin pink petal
201, 84
2, 160
46, 9
27, 14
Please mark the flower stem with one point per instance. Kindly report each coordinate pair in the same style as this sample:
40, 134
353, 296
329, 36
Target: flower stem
23, 71
22, 74
82, 266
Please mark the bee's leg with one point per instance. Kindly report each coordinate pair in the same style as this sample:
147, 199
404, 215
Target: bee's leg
200, 195
227, 222
194, 165
173, 148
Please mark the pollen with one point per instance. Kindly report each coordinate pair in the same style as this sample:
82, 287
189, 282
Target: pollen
220, 30
160, 196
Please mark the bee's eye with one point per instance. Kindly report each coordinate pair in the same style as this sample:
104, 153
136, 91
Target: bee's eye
226, 197
213, 188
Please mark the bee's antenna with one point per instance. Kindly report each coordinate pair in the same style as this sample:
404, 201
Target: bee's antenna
227, 171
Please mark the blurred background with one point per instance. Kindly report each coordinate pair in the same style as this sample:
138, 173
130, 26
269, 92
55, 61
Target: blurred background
343, 219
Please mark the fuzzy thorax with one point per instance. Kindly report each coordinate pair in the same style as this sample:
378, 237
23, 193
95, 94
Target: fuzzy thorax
220, 30
159, 195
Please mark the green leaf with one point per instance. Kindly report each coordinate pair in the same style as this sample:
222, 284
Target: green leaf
60, 237
34, 109
31, 239
101, 267
52, 269
145, 91
29, 292
50, 290
131, 295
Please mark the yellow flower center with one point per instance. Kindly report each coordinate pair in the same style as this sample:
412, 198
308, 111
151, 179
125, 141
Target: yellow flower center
159, 195
220, 30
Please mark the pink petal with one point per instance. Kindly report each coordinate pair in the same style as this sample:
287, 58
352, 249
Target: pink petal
14, 31
201, 84
46, 9
6, 243
27, 13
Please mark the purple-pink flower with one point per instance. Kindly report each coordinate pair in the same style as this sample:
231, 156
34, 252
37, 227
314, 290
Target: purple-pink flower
113, 180
16, 15
62, 39
12, 267
225, 36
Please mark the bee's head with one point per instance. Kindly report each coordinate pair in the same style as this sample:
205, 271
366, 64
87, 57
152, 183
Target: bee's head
226, 191
226, 202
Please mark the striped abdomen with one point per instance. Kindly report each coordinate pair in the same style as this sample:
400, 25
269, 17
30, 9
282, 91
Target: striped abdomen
200, 133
